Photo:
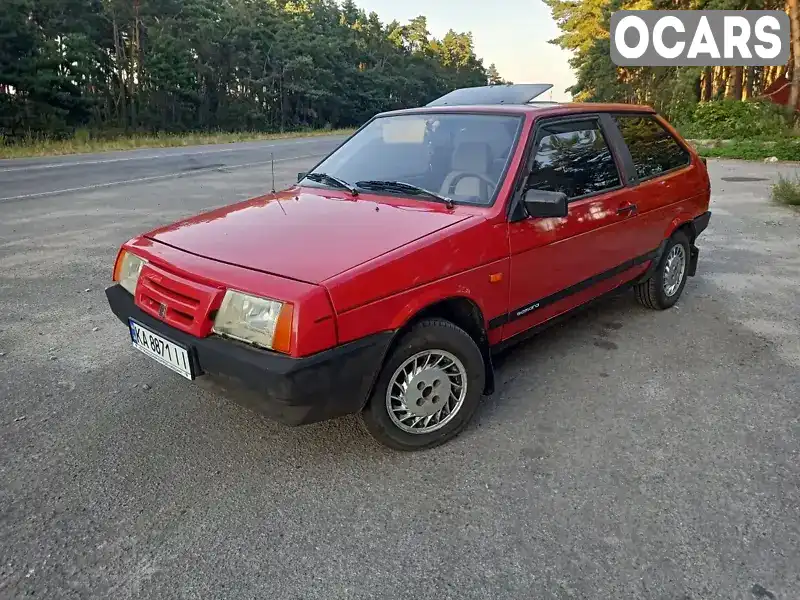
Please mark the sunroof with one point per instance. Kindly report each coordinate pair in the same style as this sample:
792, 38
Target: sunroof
520, 93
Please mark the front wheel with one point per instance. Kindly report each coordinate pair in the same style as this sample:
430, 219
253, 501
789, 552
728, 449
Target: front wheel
428, 389
664, 288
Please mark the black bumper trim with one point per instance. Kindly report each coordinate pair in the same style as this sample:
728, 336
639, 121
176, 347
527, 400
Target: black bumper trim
294, 391
700, 223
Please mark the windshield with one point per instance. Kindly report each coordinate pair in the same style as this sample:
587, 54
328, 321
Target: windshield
459, 156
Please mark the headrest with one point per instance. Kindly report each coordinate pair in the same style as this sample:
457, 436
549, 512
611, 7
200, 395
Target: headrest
472, 157
500, 139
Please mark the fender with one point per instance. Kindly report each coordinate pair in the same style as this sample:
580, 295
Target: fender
429, 298
696, 226
687, 212
684, 217
394, 312
653, 263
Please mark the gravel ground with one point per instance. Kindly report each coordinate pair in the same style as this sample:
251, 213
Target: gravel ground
626, 453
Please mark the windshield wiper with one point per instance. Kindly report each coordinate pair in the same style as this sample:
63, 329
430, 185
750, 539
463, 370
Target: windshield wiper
324, 177
408, 188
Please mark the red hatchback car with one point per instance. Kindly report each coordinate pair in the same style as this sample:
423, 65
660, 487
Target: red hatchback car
383, 282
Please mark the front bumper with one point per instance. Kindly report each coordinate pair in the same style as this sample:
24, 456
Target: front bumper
294, 391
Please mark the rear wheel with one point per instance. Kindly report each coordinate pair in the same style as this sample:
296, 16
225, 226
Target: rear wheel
428, 389
664, 288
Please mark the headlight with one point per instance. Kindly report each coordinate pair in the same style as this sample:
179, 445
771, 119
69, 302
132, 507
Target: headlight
127, 270
260, 321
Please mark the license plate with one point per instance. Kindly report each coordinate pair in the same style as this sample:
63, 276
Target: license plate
162, 350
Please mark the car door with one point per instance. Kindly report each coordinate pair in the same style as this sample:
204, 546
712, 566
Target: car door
557, 264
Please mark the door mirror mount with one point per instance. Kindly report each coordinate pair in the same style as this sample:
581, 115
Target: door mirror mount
301, 175
540, 203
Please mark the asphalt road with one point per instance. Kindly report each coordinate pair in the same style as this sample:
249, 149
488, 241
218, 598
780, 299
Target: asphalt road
39, 177
626, 454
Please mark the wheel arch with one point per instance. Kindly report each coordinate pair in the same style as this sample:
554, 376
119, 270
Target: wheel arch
461, 311
684, 223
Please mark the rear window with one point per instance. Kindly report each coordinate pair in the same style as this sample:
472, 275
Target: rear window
653, 149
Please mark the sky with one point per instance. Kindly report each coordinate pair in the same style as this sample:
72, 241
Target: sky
512, 34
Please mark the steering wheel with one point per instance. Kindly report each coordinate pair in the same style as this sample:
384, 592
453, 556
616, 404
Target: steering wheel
485, 178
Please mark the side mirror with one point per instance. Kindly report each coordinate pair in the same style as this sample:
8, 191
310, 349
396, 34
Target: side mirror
540, 203
301, 175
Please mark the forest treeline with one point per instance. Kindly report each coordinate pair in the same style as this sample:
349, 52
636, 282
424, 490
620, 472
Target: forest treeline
674, 91
204, 65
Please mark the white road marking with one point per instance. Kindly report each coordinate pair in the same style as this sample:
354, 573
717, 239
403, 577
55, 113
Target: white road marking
103, 161
155, 177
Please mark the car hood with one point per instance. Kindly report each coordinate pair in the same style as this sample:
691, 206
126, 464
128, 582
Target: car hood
305, 234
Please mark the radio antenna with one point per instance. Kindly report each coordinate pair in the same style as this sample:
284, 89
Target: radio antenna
272, 166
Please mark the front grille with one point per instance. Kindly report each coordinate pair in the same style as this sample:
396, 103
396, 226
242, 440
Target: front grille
179, 302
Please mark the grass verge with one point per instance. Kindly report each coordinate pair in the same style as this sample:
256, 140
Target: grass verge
784, 148
787, 191
84, 143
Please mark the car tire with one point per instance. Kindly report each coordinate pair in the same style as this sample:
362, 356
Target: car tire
453, 357
665, 286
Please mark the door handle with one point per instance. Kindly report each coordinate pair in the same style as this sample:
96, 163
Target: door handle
626, 208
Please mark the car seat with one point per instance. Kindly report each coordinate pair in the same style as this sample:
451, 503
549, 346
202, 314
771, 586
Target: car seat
471, 172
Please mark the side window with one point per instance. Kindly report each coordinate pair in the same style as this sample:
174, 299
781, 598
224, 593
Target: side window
652, 147
573, 158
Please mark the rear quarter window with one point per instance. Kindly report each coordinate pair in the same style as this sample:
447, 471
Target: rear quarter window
653, 149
